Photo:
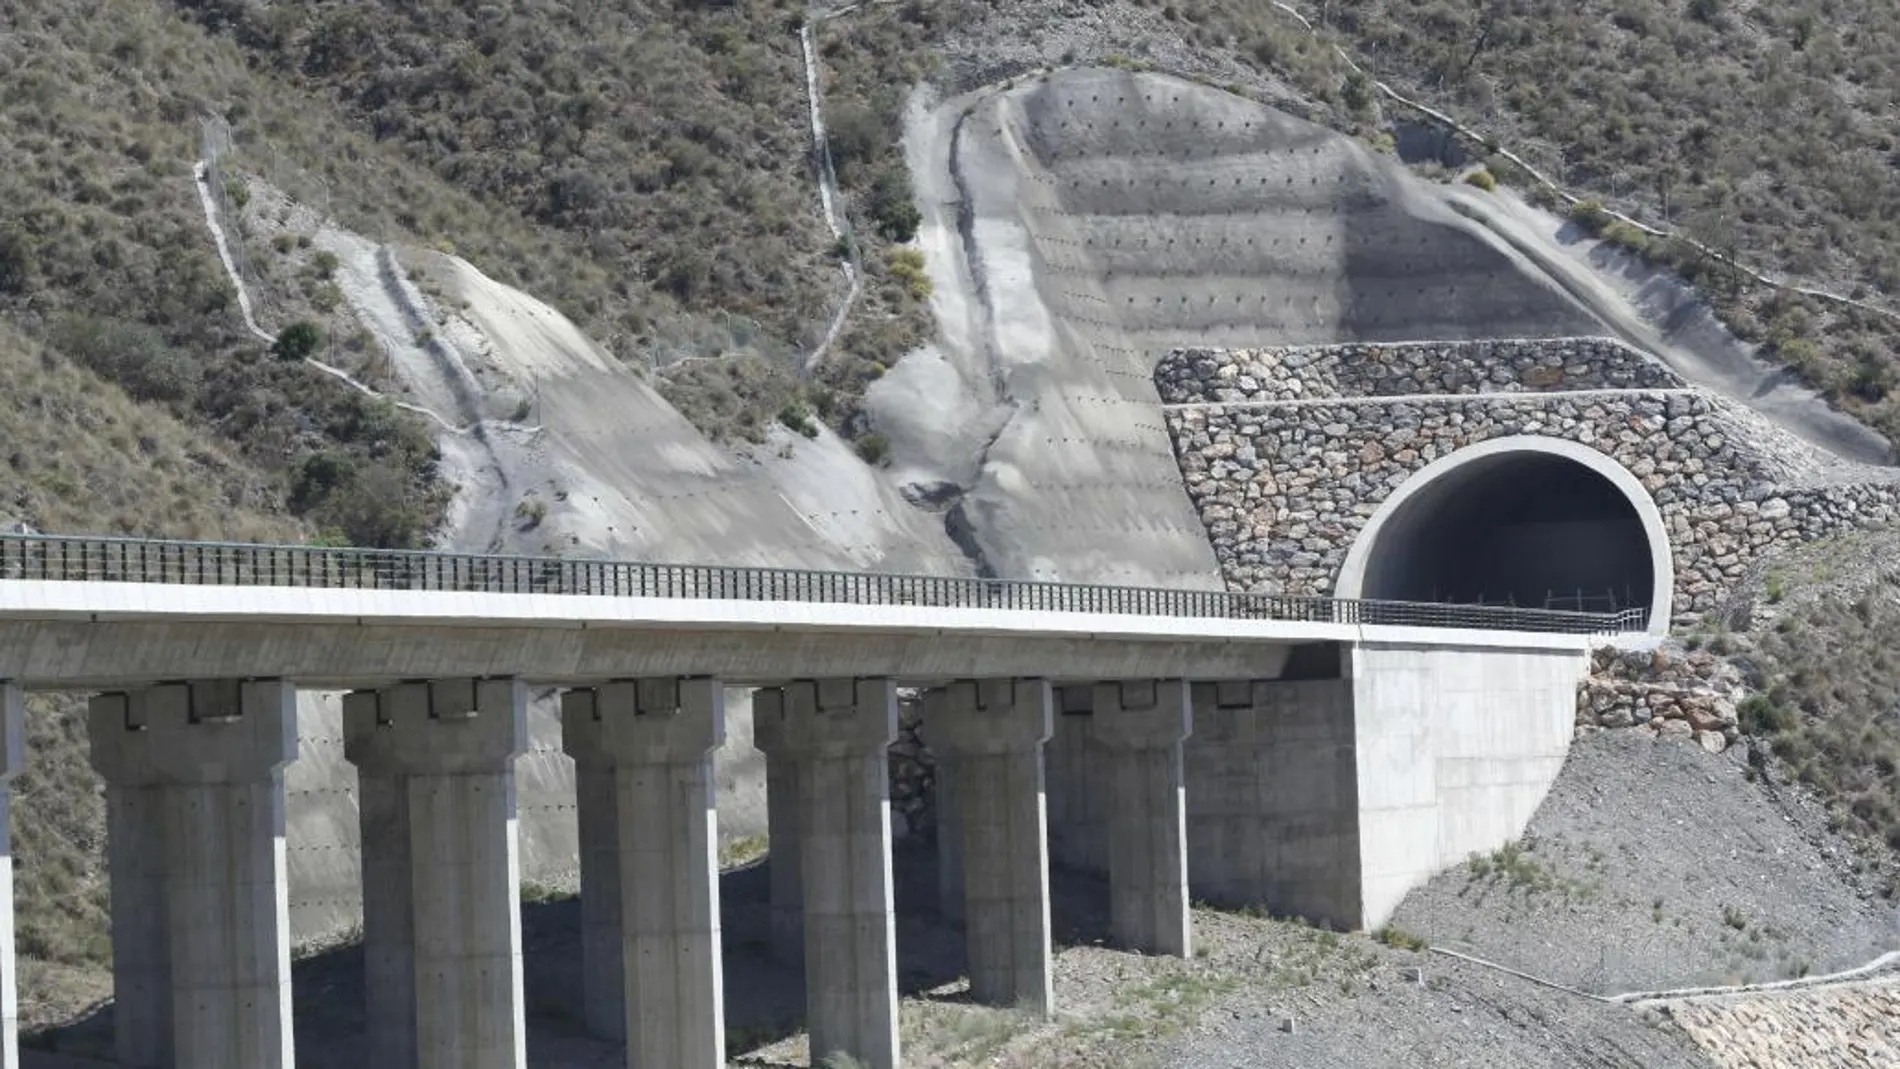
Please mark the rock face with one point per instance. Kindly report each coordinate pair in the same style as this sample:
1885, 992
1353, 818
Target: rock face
1851, 1027
1310, 372
1668, 690
1287, 452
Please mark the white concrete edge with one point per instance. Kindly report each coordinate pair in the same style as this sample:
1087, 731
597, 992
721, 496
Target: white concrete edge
101, 602
1352, 573
39, 600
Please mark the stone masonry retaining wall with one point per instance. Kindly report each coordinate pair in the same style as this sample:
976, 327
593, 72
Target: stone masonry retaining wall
1284, 487
1308, 372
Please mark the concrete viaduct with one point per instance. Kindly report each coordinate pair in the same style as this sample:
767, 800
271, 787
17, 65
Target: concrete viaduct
1353, 749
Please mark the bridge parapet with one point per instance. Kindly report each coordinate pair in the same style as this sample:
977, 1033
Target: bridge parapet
63, 558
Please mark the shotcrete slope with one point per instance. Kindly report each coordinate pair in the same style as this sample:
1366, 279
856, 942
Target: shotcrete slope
1079, 227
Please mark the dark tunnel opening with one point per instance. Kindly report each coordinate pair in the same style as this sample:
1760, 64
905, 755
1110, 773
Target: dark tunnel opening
1531, 529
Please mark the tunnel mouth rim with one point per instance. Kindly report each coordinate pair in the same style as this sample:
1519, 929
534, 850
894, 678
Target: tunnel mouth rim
1352, 573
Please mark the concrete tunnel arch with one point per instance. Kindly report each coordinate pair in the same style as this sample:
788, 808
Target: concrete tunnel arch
1512, 519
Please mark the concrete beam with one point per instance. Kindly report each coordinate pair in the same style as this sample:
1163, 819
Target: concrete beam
656, 842
195, 799
12, 762
837, 733
1139, 726
992, 732
441, 872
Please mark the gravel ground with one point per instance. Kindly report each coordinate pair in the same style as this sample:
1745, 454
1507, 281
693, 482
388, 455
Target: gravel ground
1655, 865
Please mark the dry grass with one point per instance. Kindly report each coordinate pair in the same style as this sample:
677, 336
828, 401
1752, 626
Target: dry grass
80, 455
1821, 656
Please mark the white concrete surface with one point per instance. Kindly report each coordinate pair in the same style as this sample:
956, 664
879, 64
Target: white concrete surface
656, 916
441, 875
1376, 545
204, 883
837, 732
1455, 749
12, 763
1139, 726
992, 732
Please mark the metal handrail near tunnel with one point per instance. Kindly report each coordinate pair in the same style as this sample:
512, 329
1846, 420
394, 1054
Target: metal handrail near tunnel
63, 558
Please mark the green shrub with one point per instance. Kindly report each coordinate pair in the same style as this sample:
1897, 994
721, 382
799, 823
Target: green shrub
892, 205
298, 341
1759, 714
1400, 938
874, 449
798, 418
17, 262
1483, 179
907, 265
1591, 216
134, 355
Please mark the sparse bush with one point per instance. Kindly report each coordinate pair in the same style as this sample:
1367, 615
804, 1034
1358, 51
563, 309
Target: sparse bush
907, 265
134, 355
874, 449
298, 341
1591, 216
893, 206
16, 261
1400, 938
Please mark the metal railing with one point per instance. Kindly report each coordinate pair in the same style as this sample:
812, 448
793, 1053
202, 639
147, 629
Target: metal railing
125, 560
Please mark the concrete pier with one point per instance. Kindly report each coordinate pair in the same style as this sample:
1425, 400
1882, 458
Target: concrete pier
441, 873
836, 733
1139, 727
950, 904
650, 865
200, 925
12, 761
992, 732
769, 720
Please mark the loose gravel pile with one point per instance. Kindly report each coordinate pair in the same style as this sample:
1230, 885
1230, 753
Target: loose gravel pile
1655, 865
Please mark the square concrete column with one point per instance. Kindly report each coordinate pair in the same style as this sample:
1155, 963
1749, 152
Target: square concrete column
837, 733
992, 731
949, 806
651, 954
195, 812
782, 827
1139, 726
441, 871
12, 761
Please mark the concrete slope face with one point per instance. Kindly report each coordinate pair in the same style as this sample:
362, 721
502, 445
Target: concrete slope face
1079, 227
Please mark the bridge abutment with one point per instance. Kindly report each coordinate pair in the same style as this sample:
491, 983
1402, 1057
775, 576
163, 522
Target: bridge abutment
650, 866
1273, 818
201, 928
441, 871
991, 732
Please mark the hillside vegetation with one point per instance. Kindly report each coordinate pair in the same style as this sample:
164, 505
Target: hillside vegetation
1767, 132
